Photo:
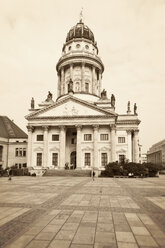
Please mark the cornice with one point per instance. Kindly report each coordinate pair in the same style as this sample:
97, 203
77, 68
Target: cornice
125, 122
71, 117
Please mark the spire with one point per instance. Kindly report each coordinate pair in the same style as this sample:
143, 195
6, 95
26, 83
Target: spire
81, 15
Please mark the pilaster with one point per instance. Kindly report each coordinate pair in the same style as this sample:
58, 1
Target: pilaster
62, 146
129, 142
113, 143
78, 148
62, 81
45, 153
95, 146
29, 146
93, 80
82, 77
135, 147
99, 83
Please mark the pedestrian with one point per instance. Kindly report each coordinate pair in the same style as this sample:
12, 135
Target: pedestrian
93, 175
9, 173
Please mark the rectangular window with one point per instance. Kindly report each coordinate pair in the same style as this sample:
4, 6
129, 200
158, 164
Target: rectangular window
87, 159
121, 139
73, 141
55, 159
55, 137
104, 136
104, 159
40, 137
87, 137
20, 152
24, 165
39, 159
121, 159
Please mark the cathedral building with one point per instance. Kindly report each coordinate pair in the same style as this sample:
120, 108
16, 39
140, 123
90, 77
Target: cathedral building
80, 129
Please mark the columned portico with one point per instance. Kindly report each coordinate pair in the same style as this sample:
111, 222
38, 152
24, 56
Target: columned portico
95, 145
135, 147
113, 143
45, 150
62, 146
129, 141
78, 148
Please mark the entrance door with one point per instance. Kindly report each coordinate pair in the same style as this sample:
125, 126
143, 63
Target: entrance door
73, 159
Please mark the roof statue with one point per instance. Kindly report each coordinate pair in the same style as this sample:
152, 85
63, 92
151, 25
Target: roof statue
135, 109
113, 100
49, 97
70, 86
32, 103
128, 108
104, 95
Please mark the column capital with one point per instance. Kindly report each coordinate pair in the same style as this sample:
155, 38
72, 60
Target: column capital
95, 126
79, 127
129, 131
136, 131
30, 128
62, 127
113, 127
45, 128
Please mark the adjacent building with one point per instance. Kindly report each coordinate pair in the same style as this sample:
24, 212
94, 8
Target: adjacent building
156, 153
13, 144
80, 128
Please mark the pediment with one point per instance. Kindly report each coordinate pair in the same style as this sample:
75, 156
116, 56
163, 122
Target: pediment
70, 107
38, 149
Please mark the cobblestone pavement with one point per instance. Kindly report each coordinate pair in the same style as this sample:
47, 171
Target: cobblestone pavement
62, 212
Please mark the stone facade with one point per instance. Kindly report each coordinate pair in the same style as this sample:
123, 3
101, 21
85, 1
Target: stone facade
81, 128
156, 153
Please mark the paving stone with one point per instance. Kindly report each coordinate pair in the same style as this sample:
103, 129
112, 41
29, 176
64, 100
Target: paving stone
105, 237
146, 241
65, 234
59, 244
51, 228
38, 244
140, 230
84, 235
125, 237
45, 236
21, 242
104, 227
127, 245
81, 246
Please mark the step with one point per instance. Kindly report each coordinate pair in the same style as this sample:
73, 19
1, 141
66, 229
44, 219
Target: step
67, 173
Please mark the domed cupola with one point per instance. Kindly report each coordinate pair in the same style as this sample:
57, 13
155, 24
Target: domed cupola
80, 31
81, 64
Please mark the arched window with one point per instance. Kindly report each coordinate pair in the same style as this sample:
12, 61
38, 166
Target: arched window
77, 87
87, 87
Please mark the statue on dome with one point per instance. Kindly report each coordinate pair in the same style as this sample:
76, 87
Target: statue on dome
128, 107
49, 97
70, 86
113, 100
135, 109
32, 103
104, 95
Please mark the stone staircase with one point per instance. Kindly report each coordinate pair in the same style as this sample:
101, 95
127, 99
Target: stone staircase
67, 173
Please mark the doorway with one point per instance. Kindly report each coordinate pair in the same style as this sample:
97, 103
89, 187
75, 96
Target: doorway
73, 159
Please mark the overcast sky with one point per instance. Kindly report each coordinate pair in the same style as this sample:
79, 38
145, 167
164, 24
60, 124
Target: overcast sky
131, 39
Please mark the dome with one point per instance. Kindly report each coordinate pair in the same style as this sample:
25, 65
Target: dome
80, 30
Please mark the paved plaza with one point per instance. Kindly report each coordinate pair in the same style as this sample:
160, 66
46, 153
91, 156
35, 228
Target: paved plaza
65, 212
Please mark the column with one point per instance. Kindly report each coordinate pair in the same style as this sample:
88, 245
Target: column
93, 80
129, 142
45, 152
135, 147
82, 77
29, 146
62, 81
99, 83
95, 146
62, 147
113, 143
59, 84
78, 147
71, 71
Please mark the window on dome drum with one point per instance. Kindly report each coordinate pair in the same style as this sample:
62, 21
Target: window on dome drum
40, 137
69, 48
87, 47
55, 137
87, 159
77, 86
55, 159
86, 87
121, 139
39, 159
78, 46
87, 137
104, 136
104, 159
20, 152
121, 159
1, 149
